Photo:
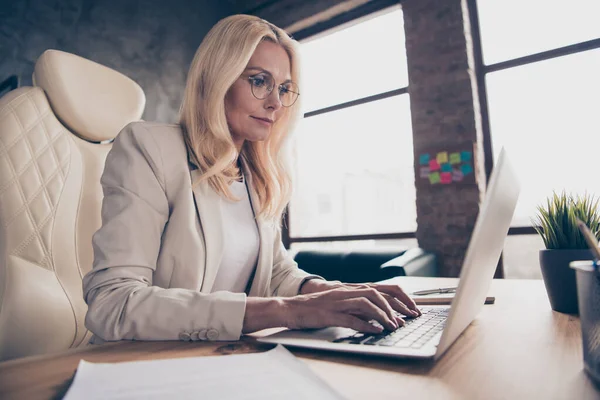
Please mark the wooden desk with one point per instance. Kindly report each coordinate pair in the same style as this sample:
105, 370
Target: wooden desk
517, 348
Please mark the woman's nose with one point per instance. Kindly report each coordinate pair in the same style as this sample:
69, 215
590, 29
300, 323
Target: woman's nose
273, 100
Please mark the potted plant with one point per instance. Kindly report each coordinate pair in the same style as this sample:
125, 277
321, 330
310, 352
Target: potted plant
556, 222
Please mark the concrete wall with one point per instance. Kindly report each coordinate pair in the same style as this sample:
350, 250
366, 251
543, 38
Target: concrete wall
151, 41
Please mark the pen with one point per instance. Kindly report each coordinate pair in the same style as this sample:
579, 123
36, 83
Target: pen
434, 291
589, 238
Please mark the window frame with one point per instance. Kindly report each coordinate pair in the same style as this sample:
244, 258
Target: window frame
481, 71
365, 11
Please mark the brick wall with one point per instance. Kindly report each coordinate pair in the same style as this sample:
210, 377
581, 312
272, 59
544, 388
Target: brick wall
445, 112
151, 41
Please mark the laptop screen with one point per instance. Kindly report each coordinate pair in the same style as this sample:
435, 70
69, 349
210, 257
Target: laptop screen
485, 248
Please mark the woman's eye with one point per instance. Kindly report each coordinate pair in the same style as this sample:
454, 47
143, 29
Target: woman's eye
258, 81
283, 90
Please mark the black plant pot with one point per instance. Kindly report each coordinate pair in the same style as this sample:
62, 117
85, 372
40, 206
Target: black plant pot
560, 279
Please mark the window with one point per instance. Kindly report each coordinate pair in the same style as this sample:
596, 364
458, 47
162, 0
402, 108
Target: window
541, 61
354, 162
359, 61
545, 114
517, 28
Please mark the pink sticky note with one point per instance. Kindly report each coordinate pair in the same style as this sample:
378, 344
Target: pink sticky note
446, 177
434, 165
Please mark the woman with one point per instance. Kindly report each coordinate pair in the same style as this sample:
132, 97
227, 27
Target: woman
190, 244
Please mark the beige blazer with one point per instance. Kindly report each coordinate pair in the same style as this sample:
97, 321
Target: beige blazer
158, 251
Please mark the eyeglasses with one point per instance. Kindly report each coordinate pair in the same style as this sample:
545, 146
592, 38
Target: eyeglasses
263, 84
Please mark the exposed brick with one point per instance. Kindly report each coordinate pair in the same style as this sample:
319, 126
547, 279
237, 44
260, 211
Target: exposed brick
443, 102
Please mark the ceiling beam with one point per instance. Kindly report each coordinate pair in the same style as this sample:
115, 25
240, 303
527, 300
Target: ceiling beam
325, 15
296, 15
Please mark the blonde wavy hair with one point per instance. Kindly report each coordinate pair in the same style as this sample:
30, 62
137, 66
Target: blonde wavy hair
219, 61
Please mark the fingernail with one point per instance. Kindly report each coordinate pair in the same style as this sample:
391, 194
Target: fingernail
413, 312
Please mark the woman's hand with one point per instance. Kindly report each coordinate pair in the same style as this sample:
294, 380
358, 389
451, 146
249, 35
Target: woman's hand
396, 297
315, 285
344, 307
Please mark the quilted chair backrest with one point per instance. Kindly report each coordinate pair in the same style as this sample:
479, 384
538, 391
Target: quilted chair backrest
54, 138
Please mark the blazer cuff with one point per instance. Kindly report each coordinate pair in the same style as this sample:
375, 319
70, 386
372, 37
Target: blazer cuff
224, 317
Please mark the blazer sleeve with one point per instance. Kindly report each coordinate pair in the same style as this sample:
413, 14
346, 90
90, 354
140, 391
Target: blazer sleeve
122, 302
286, 277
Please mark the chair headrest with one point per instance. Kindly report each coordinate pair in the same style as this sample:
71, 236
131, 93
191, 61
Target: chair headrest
93, 101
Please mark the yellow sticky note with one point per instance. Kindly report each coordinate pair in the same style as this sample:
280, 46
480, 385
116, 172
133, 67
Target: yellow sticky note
442, 157
454, 158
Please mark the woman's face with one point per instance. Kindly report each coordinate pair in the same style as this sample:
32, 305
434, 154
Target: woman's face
250, 118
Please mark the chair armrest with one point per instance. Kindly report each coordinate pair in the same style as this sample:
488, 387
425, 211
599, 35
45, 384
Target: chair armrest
414, 262
346, 266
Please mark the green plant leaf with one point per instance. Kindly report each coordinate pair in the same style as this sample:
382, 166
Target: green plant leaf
556, 220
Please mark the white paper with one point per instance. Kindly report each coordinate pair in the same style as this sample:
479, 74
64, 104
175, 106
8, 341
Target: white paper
275, 374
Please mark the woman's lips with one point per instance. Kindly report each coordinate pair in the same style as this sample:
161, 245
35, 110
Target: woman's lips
265, 121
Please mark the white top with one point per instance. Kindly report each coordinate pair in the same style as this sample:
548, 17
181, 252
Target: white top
241, 242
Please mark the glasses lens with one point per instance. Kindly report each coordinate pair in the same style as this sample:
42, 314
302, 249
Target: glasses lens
261, 85
288, 93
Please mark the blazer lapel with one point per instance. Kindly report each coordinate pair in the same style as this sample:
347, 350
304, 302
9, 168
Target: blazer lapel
262, 274
208, 206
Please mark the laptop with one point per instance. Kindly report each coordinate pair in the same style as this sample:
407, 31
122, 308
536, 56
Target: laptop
430, 335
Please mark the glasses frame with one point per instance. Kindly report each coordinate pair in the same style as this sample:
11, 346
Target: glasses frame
269, 91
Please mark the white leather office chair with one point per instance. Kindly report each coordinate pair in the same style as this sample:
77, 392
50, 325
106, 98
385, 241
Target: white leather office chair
54, 138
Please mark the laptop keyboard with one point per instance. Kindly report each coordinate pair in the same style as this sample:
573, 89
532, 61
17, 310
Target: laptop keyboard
414, 334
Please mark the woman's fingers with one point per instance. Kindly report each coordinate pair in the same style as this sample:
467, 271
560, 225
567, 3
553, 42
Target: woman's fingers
392, 293
353, 322
370, 293
377, 298
364, 308
330, 315
351, 307
392, 290
397, 292
399, 306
